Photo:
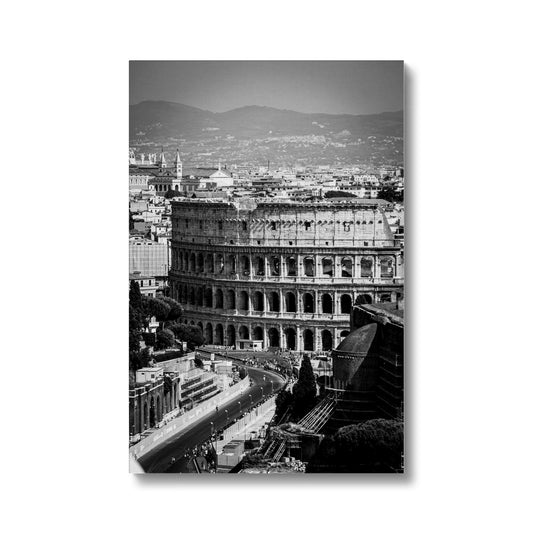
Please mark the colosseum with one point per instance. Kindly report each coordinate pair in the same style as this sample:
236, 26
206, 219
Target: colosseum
281, 273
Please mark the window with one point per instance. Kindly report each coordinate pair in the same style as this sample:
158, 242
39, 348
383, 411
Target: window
220, 225
244, 226
307, 225
346, 226
186, 223
273, 226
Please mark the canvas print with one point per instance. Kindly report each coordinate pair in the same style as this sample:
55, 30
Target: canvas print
266, 267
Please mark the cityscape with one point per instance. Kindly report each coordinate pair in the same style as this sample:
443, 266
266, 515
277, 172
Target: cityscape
266, 282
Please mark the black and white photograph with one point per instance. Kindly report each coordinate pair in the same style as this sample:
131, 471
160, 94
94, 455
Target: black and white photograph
293, 306
266, 267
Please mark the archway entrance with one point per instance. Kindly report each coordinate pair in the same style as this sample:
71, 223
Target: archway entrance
273, 337
327, 340
231, 336
290, 339
152, 413
308, 340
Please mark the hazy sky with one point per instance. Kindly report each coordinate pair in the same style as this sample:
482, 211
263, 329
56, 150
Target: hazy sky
356, 87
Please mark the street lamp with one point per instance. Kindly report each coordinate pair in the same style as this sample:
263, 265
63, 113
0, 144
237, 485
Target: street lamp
261, 392
227, 416
239, 407
272, 389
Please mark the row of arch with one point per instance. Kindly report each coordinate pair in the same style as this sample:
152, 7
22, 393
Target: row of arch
259, 301
217, 335
196, 263
152, 407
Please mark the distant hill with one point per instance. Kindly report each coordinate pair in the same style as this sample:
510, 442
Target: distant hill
159, 120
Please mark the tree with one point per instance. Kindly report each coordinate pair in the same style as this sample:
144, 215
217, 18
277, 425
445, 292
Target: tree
389, 193
155, 307
283, 401
176, 310
135, 295
339, 194
372, 446
192, 335
304, 390
165, 339
173, 194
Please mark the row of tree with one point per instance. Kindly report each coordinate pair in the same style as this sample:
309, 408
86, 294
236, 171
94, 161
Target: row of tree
166, 311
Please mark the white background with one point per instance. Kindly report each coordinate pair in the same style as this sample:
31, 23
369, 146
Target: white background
64, 127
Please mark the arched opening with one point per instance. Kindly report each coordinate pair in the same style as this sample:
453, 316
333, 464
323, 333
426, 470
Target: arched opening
230, 339
243, 301
219, 335
327, 304
158, 404
180, 261
309, 266
220, 264
346, 304
327, 267
344, 333
152, 413
273, 337
209, 333
244, 333
308, 340
274, 266
232, 264
385, 297
290, 339
200, 263
258, 333
347, 267
327, 340
145, 416
386, 267
259, 266
363, 299
290, 302
219, 299
259, 304
292, 267
366, 267
200, 296
193, 262
231, 299
309, 303
245, 265
186, 261
192, 296
201, 326
210, 264
208, 297
273, 302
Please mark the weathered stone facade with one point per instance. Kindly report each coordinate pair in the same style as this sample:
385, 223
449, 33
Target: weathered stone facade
287, 273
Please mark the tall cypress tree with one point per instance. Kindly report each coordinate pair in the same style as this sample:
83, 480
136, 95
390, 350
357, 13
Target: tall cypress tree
304, 390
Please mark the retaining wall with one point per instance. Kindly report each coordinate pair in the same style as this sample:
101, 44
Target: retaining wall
185, 420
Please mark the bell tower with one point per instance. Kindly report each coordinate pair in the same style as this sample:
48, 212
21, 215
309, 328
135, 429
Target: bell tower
179, 165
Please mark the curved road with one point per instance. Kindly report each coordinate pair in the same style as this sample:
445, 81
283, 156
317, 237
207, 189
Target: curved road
159, 460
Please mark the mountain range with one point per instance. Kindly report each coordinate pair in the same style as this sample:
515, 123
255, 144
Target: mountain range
159, 120
259, 133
